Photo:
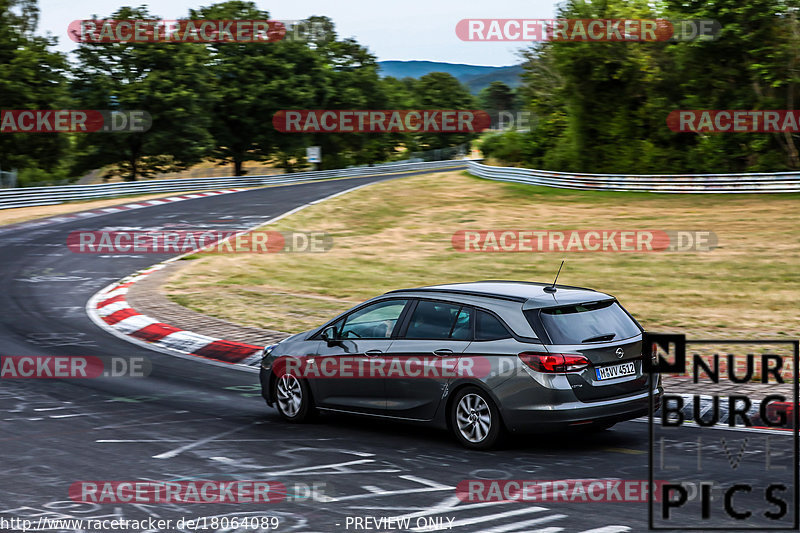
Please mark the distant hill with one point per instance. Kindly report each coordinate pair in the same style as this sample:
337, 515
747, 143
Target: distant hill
475, 77
511, 76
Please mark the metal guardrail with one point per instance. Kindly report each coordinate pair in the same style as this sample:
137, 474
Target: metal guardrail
775, 182
33, 196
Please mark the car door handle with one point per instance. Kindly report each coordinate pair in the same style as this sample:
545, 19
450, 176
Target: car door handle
441, 352
372, 353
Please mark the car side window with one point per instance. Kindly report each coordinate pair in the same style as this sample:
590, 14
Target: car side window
439, 320
376, 321
462, 330
488, 327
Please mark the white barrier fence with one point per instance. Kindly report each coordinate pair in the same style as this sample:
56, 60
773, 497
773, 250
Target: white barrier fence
673, 183
663, 183
32, 196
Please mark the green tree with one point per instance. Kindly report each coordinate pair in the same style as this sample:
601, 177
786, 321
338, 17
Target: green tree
752, 65
170, 81
353, 82
31, 77
602, 107
253, 81
496, 97
439, 90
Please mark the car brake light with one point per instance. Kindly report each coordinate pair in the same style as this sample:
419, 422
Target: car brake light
554, 362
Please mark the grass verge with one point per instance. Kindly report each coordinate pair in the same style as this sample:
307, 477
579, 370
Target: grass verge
398, 234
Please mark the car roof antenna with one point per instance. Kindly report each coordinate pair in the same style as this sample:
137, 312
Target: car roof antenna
552, 288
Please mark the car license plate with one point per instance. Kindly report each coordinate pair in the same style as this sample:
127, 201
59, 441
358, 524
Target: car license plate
616, 371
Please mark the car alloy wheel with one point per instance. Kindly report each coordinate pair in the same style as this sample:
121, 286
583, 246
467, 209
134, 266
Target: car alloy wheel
293, 398
290, 395
475, 420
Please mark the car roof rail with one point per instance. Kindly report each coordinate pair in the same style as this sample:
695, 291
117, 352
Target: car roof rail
537, 283
465, 293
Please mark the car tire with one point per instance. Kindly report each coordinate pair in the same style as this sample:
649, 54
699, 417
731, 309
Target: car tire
293, 399
475, 419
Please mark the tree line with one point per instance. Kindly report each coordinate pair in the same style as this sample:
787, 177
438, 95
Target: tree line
211, 101
602, 106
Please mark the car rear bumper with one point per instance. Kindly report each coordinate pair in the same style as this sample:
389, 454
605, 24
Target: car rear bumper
559, 417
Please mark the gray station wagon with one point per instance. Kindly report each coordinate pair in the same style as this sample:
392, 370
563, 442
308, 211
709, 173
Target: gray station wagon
481, 359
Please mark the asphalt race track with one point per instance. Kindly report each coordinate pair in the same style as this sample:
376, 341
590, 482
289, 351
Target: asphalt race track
192, 421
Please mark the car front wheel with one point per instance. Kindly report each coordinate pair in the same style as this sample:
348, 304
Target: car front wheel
474, 419
293, 399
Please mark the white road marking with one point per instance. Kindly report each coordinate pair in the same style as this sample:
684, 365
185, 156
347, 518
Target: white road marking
498, 516
305, 469
133, 323
520, 525
177, 451
112, 308
390, 493
138, 424
185, 341
449, 505
123, 441
115, 292
424, 481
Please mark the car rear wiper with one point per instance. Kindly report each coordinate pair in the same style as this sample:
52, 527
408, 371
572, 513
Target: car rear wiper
602, 337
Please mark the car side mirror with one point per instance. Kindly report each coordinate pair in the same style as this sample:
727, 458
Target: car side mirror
329, 335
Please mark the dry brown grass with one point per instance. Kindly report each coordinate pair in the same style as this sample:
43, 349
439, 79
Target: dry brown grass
398, 234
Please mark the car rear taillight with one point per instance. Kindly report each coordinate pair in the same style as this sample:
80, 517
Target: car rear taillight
554, 362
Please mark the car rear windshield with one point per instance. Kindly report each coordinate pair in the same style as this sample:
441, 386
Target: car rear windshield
584, 323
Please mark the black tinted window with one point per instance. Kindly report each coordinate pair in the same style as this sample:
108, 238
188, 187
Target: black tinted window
590, 322
439, 320
487, 328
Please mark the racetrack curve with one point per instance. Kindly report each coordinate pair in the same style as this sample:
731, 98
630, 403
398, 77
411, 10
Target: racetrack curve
188, 420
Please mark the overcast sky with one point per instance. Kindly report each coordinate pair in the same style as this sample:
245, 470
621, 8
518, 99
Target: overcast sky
406, 30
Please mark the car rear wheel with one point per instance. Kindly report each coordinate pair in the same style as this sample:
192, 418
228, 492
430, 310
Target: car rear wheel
293, 399
474, 419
